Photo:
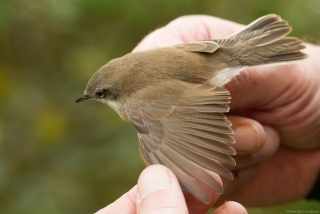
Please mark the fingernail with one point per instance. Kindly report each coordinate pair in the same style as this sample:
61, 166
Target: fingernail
153, 178
249, 135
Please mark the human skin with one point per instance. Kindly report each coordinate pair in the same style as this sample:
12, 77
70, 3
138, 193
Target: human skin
275, 114
158, 191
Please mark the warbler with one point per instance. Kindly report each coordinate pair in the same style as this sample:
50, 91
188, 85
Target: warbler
174, 97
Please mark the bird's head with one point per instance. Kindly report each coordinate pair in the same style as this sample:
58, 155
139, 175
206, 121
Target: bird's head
102, 86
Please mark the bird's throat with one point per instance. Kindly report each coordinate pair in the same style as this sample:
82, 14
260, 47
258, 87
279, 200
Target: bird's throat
112, 104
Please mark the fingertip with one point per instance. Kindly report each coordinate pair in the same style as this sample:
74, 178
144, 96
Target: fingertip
271, 145
230, 207
159, 191
153, 178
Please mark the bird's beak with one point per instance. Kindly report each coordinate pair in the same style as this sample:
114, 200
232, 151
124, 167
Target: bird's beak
82, 98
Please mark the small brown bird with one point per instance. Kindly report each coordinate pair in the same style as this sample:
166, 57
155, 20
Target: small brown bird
174, 97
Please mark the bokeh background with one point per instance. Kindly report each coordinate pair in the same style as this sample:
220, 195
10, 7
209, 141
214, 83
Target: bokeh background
60, 157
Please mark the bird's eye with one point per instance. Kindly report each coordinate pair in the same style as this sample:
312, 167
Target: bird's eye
100, 94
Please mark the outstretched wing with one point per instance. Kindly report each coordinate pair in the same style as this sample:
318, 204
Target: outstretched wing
182, 126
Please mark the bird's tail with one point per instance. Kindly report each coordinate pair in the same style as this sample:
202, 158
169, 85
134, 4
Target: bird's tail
264, 42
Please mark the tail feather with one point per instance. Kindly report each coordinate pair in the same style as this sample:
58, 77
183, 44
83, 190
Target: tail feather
264, 42
263, 31
283, 50
286, 57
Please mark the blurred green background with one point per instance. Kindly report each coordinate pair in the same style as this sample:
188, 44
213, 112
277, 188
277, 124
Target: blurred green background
60, 157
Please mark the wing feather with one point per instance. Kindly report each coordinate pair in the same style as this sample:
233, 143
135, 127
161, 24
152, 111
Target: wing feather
202, 126
203, 142
189, 182
202, 161
185, 131
205, 152
206, 46
192, 169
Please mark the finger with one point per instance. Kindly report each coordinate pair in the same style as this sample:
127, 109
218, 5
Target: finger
287, 176
254, 142
265, 88
230, 207
247, 165
248, 134
159, 192
269, 147
126, 204
198, 27
187, 29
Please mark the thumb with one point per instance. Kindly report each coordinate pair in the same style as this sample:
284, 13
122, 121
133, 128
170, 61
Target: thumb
159, 192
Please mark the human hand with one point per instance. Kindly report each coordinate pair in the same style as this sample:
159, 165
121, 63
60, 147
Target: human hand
158, 191
269, 105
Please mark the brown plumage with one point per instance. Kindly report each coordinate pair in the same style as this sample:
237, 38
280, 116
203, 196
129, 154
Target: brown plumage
175, 99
